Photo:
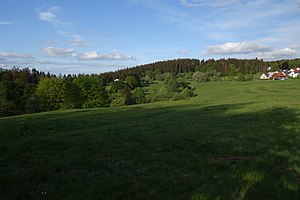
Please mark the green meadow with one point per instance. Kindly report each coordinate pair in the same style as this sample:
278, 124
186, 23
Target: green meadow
234, 140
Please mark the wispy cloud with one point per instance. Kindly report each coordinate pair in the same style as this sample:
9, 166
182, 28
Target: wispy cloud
50, 16
93, 55
5, 23
183, 51
78, 42
59, 52
209, 3
167, 13
15, 55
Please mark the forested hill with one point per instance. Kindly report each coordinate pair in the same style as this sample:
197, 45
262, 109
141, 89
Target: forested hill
28, 91
224, 66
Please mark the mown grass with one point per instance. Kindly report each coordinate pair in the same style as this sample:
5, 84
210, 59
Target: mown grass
232, 141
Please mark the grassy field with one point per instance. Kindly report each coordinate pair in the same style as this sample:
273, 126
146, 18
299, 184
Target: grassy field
233, 141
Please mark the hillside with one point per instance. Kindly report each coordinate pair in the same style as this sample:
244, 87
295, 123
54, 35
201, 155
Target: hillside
25, 91
232, 141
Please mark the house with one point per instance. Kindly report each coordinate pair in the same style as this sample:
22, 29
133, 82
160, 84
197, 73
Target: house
264, 77
270, 74
279, 76
294, 73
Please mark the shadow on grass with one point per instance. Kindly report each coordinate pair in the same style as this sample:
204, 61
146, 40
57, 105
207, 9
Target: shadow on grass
175, 152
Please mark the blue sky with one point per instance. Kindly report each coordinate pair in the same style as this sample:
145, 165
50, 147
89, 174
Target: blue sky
93, 36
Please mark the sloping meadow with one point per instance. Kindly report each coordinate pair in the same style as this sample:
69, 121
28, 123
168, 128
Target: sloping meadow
232, 141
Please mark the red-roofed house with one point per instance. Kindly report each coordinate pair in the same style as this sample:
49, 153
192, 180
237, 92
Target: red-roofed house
279, 76
294, 73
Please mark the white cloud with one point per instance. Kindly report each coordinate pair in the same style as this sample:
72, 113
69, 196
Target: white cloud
236, 48
93, 55
278, 54
251, 49
77, 42
14, 55
47, 16
50, 16
63, 67
209, 3
51, 51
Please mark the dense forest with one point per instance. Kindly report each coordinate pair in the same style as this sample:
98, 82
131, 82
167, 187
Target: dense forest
29, 91
225, 67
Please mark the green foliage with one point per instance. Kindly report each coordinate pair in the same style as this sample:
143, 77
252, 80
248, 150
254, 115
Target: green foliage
241, 77
18, 86
188, 76
146, 81
181, 83
118, 99
93, 91
7, 108
159, 77
161, 67
74, 99
126, 91
116, 86
138, 95
198, 68
170, 83
200, 77
131, 81
52, 93
233, 71
172, 89
215, 79
187, 93
249, 77
33, 104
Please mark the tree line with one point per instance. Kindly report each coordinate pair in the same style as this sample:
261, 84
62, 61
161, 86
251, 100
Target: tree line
225, 67
29, 91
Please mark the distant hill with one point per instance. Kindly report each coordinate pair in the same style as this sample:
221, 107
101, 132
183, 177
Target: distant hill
224, 66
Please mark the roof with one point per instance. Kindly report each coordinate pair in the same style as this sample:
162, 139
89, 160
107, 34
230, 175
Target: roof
263, 76
279, 75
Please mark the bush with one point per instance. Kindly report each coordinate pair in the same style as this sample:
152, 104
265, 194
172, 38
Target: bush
159, 77
7, 108
249, 77
131, 81
118, 100
33, 104
200, 77
215, 79
187, 93
116, 86
138, 95
241, 77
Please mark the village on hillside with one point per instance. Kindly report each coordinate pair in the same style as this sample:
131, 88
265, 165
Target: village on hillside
281, 75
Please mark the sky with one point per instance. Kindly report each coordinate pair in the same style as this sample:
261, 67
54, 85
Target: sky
95, 36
